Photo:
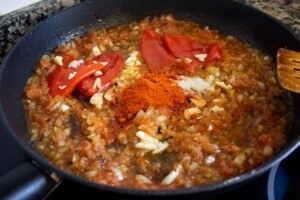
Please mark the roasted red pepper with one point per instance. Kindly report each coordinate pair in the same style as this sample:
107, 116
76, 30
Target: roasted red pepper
63, 80
86, 87
182, 47
112, 69
214, 53
168, 51
154, 53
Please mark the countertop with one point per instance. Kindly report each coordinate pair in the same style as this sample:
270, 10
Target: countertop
15, 24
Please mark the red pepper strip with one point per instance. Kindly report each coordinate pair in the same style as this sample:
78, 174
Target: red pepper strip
183, 47
60, 82
190, 67
86, 87
214, 53
113, 68
154, 53
110, 71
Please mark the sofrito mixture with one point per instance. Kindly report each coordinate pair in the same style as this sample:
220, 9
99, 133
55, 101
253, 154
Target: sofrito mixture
156, 104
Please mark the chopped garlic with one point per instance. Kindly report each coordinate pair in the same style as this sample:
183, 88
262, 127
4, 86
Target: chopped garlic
91, 174
198, 102
187, 60
210, 159
143, 178
218, 150
138, 63
192, 129
61, 143
194, 84
210, 78
240, 67
193, 166
75, 63
108, 96
97, 100
96, 51
260, 128
56, 106
232, 79
136, 27
72, 75
161, 118
239, 160
132, 60
261, 85
109, 42
268, 151
230, 37
252, 97
118, 173
103, 63
139, 114
206, 28
58, 60
213, 70
98, 73
61, 87
272, 80
221, 84
210, 127
201, 57
216, 109
149, 143
240, 98
64, 107
102, 47
169, 18
67, 131
189, 112
172, 175
178, 60
97, 84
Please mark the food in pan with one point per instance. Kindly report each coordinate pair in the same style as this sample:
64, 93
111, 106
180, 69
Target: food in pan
156, 104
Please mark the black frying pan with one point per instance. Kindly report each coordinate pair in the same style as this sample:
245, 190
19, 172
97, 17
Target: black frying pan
248, 24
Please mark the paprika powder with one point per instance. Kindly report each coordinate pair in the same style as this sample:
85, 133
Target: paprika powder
155, 90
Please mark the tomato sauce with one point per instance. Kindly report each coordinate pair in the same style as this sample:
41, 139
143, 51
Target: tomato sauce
232, 115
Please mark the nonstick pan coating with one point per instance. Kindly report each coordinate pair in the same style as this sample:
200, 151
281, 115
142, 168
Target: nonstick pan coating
229, 17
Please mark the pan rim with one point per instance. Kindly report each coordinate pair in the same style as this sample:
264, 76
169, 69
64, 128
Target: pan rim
181, 191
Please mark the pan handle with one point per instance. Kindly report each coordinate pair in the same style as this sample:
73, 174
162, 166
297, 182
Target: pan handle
26, 181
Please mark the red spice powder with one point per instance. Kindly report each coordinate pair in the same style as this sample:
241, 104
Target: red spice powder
155, 90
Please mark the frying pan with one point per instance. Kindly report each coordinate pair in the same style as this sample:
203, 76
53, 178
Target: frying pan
229, 17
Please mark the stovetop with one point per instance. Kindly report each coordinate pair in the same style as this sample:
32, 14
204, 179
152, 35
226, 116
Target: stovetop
283, 185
